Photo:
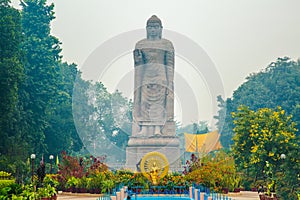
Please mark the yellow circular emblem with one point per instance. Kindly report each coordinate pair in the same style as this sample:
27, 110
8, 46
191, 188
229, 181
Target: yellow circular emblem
154, 166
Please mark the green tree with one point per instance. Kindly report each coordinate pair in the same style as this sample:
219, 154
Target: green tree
122, 114
103, 119
289, 178
113, 114
277, 85
41, 69
225, 123
83, 112
11, 76
61, 134
261, 137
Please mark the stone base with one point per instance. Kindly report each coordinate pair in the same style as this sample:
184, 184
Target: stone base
167, 145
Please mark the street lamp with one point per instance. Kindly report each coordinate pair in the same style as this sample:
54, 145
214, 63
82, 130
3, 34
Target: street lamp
282, 156
32, 156
51, 158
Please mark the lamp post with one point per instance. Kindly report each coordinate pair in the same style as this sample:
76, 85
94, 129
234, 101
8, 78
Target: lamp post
51, 158
32, 156
282, 157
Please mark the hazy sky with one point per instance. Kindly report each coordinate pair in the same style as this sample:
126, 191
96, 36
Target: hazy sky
239, 36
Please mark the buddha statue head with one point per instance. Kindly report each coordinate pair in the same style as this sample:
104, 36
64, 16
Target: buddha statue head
154, 28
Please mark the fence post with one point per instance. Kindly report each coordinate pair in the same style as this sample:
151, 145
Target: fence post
118, 195
122, 194
191, 192
113, 197
196, 194
125, 191
202, 196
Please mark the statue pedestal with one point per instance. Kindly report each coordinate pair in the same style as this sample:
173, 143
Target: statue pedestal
139, 146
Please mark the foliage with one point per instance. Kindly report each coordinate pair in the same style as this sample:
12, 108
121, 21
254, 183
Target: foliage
51, 179
277, 85
97, 165
29, 192
260, 139
224, 121
288, 178
41, 51
5, 183
73, 169
72, 182
61, 134
123, 177
5, 175
138, 179
266, 133
12, 143
46, 191
173, 179
216, 171
96, 181
69, 167
15, 191
107, 186
83, 182
10, 191
102, 118
37, 95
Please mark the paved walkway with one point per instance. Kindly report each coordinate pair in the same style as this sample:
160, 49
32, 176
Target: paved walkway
243, 195
71, 196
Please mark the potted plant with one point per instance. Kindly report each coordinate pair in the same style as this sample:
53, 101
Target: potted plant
95, 184
71, 183
107, 186
51, 180
43, 193
52, 192
82, 185
29, 192
47, 193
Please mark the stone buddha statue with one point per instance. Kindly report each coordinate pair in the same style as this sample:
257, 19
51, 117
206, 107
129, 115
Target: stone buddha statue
153, 84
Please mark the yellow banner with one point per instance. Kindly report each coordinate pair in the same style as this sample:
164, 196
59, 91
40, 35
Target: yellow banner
202, 142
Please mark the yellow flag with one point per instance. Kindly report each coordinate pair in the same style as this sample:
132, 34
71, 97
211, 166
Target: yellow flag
57, 161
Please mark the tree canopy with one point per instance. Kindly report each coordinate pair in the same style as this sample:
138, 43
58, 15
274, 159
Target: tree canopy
277, 85
37, 93
262, 141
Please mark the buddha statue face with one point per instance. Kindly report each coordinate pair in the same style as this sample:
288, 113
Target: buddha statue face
154, 28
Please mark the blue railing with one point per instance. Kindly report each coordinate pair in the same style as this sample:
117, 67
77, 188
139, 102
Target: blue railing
104, 197
157, 190
175, 191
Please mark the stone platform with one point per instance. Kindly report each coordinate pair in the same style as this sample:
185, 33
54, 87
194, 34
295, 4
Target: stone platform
139, 146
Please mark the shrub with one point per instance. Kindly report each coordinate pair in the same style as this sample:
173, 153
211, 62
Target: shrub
6, 183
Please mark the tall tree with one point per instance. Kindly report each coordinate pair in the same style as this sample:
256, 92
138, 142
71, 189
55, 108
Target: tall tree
277, 85
225, 123
83, 112
11, 75
261, 138
102, 119
61, 134
41, 68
